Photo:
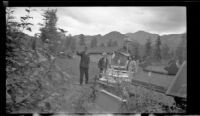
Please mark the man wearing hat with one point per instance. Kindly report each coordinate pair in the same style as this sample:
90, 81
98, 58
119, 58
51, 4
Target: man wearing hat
103, 63
84, 65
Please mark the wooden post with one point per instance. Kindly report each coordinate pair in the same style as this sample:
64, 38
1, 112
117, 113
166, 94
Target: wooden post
94, 88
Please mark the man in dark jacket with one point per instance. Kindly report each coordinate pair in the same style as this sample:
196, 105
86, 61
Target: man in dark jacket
84, 65
103, 64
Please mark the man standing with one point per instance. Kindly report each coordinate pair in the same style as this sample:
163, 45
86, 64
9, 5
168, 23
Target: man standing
132, 67
103, 64
84, 65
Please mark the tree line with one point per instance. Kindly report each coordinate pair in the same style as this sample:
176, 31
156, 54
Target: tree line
70, 42
159, 51
163, 51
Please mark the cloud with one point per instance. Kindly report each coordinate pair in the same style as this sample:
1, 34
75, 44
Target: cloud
75, 13
102, 20
166, 19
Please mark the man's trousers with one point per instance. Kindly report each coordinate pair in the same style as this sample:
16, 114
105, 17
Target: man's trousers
83, 71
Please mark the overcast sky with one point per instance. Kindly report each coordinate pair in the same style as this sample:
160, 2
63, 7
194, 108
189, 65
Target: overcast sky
102, 20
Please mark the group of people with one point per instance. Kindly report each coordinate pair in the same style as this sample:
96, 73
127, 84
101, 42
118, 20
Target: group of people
103, 65
131, 65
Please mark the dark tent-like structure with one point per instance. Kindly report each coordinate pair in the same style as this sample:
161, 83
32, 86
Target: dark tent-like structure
172, 69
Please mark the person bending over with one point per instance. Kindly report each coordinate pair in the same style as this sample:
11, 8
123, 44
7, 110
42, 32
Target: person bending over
103, 64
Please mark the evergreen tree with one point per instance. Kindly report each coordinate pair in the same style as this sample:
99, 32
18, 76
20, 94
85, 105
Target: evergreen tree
181, 51
165, 51
49, 34
185, 47
148, 48
133, 49
73, 44
82, 40
136, 51
157, 50
68, 42
172, 53
115, 44
62, 40
93, 42
102, 45
109, 44
18, 45
21, 62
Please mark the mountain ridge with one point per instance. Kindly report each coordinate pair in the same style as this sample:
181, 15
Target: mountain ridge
141, 36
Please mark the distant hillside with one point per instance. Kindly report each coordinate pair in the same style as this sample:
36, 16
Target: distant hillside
172, 40
88, 38
142, 36
114, 36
